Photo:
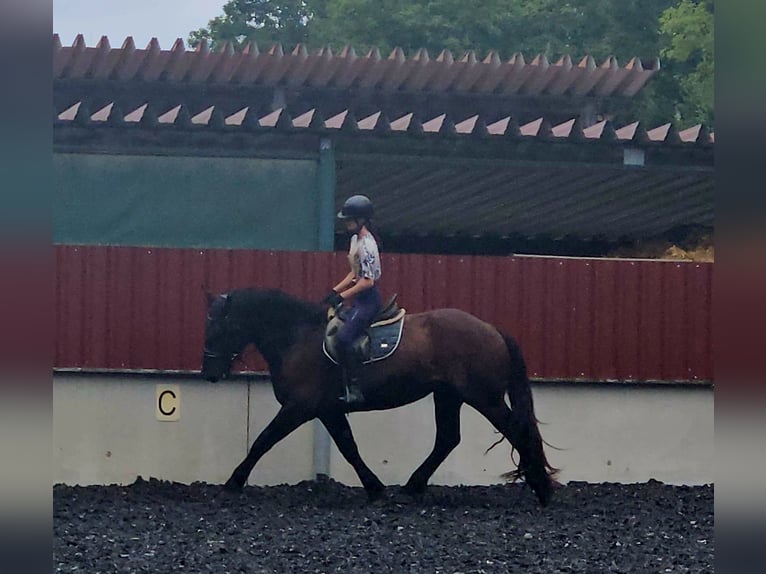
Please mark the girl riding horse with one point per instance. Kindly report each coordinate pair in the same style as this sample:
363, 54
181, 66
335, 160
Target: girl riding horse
358, 291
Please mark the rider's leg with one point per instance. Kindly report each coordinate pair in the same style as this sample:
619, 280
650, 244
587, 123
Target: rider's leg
358, 318
352, 327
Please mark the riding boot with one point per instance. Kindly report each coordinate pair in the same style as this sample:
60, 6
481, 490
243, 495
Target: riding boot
352, 367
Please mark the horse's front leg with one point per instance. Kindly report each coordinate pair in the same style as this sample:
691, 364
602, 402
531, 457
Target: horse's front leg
286, 421
336, 424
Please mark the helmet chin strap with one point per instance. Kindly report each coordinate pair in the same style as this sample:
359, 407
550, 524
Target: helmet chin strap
360, 222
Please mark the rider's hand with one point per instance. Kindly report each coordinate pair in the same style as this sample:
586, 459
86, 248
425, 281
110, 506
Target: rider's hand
333, 299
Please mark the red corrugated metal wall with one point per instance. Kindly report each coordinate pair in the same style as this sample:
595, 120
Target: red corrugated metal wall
144, 308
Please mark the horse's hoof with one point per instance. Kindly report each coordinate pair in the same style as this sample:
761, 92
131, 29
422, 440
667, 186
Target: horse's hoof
377, 495
413, 492
544, 494
232, 487
226, 495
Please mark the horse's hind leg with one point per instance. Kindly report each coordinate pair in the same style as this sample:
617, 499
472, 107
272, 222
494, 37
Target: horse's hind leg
447, 405
286, 421
336, 424
530, 466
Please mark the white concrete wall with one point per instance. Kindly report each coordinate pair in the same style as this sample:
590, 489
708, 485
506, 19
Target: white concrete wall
105, 431
608, 433
630, 434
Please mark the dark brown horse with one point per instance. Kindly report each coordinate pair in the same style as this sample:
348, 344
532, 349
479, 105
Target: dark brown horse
447, 352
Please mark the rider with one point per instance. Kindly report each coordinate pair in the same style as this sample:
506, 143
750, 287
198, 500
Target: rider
358, 290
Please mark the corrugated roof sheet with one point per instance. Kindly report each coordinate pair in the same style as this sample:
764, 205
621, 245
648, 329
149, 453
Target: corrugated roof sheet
552, 201
468, 74
248, 118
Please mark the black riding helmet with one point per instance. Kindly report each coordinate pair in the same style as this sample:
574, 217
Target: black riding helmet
356, 207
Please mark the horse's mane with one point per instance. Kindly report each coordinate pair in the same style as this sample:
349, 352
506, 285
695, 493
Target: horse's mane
275, 320
281, 307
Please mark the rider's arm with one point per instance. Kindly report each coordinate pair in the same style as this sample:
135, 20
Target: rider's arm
362, 284
345, 283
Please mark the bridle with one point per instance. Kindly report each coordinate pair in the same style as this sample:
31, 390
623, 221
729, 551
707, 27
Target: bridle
232, 328
208, 354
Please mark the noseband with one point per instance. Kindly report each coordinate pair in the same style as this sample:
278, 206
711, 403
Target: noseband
208, 354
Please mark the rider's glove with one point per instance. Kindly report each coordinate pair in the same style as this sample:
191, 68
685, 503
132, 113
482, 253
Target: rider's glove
333, 299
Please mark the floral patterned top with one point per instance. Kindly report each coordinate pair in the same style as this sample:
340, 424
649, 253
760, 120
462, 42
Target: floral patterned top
364, 258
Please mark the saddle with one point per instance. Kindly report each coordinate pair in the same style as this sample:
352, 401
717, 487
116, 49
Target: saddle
379, 340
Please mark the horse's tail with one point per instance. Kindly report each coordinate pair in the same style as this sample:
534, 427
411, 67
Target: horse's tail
533, 465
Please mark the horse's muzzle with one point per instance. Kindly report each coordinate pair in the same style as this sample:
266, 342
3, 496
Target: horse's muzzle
215, 376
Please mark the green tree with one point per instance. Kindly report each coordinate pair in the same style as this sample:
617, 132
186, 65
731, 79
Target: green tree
266, 21
551, 27
601, 28
688, 46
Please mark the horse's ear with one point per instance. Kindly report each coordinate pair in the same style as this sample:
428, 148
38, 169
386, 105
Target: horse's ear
226, 304
209, 297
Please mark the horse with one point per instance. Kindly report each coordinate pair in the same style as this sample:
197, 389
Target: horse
449, 353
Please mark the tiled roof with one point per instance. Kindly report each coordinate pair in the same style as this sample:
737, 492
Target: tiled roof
418, 72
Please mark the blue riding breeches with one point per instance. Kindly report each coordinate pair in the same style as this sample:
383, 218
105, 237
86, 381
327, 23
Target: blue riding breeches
358, 317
